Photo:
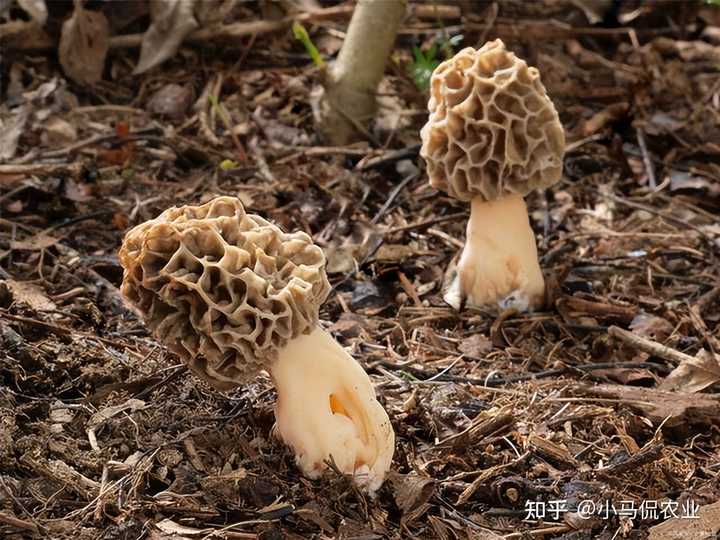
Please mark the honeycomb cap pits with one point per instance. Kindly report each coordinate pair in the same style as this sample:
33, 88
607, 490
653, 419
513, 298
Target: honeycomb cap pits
223, 289
492, 129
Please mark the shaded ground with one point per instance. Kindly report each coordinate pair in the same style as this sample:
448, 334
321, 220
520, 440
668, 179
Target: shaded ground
104, 435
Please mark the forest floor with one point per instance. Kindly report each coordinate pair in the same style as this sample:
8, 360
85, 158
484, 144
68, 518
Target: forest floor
605, 396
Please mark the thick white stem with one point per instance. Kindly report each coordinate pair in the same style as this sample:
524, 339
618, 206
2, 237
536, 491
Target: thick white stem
499, 263
327, 410
348, 102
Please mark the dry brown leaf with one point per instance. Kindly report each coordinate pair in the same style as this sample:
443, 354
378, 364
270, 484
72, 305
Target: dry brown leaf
172, 101
686, 181
396, 253
168, 526
595, 11
626, 375
392, 109
476, 346
482, 534
556, 452
78, 192
705, 527
35, 243
412, 493
105, 414
349, 325
102, 416
84, 44
11, 130
25, 34
15, 207
341, 260
58, 132
36, 9
695, 374
697, 51
658, 406
576, 308
209, 12
610, 114
344, 257
60, 414
172, 20
651, 326
312, 512
7, 179
30, 295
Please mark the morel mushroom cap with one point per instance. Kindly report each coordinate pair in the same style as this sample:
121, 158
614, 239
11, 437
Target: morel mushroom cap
492, 130
225, 290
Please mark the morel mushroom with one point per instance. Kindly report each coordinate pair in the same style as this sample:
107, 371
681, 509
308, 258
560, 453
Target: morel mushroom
493, 136
232, 294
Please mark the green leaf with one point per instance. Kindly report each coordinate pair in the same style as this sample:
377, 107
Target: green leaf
425, 62
301, 34
408, 376
432, 52
422, 67
227, 164
455, 40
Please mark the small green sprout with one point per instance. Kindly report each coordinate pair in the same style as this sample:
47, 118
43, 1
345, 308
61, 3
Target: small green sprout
227, 164
422, 67
300, 33
220, 110
425, 63
408, 376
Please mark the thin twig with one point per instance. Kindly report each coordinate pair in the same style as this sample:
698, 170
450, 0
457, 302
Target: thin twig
649, 169
103, 137
20, 505
537, 533
647, 454
393, 194
388, 158
231, 32
41, 168
17, 523
662, 213
651, 347
428, 222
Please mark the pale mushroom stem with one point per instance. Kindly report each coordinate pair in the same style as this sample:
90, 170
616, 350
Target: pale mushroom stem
326, 410
499, 263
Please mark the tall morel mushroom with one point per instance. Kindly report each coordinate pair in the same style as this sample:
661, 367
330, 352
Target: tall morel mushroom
493, 136
232, 294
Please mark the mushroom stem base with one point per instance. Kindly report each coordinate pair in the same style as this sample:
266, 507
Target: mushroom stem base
327, 411
499, 263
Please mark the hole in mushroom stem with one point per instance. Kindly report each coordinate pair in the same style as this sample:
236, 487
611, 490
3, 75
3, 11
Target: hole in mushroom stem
337, 407
349, 407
